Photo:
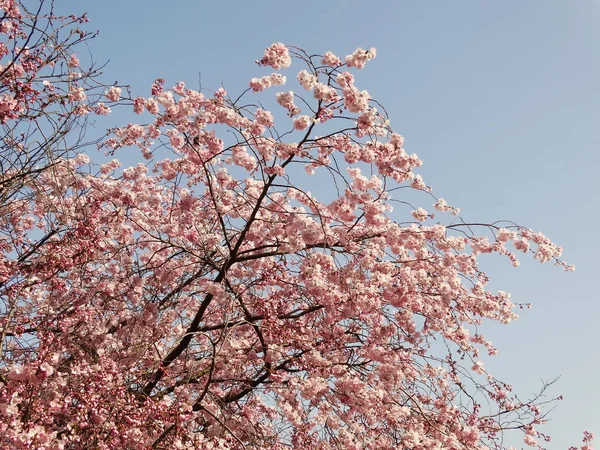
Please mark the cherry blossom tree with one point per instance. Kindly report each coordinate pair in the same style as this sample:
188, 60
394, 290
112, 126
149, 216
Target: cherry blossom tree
45, 95
205, 298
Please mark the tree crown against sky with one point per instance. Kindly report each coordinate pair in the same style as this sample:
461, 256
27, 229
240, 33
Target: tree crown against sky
205, 297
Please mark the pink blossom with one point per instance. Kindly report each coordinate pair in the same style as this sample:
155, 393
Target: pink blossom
82, 110
307, 80
277, 79
20, 373
329, 59
530, 440
418, 183
82, 159
323, 92
286, 99
302, 122
113, 94
8, 105
8, 410
179, 88
420, 214
478, 367
360, 57
264, 117
242, 158
102, 109
6, 26
110, 166
545, 253
356, 101
78, 94
177, 141
345, 80
441, 205
165, 99
277, 56
522, 245
139, 105
46, 370
260, 84
152, 106
153, 131
73, 61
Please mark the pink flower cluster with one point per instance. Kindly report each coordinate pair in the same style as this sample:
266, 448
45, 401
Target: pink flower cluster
264, 117
9, 107
420, 214
307, 80
113, 94
324, 92
360, 57
242, 158
73, 61
260, 84
277, 56
356, 101
302, 122
329, 59
286, 99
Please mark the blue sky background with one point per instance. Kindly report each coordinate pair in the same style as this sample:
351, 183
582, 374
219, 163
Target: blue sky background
500, 99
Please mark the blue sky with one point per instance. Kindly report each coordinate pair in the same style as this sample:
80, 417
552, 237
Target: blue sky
500, 99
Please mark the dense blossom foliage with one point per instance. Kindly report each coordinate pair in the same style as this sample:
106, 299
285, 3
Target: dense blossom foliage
205, 298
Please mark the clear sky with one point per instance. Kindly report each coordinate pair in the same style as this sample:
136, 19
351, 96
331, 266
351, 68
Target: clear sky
500, 99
